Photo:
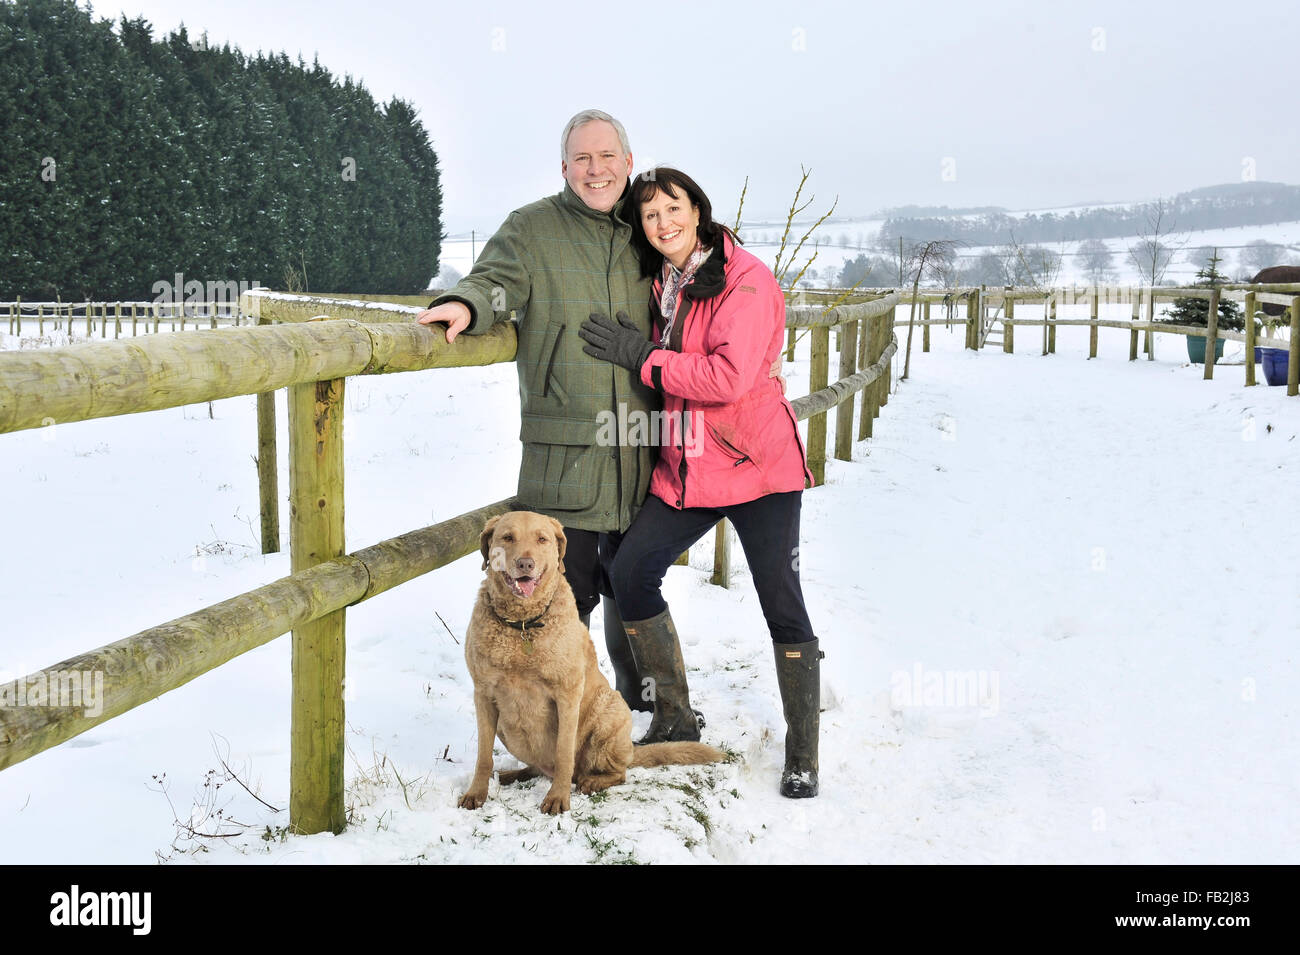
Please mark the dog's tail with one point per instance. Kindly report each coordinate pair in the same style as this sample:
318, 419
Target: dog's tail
675, 754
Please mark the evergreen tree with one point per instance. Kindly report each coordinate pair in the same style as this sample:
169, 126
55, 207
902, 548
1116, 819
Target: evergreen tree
1196, 311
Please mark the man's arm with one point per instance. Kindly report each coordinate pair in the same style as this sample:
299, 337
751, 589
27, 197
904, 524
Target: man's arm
498, 284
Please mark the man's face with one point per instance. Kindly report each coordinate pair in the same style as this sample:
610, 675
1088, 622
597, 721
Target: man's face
595, 166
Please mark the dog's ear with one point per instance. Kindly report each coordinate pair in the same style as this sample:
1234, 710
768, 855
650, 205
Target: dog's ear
485, 539
561, 542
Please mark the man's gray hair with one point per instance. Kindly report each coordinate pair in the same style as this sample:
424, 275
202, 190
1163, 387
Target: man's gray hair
588, 116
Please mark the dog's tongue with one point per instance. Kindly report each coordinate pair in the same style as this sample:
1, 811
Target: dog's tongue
527, 585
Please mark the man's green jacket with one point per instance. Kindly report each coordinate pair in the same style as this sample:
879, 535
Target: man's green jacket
550, 265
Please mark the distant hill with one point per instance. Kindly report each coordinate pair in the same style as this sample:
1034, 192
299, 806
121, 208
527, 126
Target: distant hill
1210, 207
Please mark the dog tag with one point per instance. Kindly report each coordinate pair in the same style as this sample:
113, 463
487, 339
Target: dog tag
528, 646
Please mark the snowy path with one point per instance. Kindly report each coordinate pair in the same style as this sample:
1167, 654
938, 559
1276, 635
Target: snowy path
1089, 543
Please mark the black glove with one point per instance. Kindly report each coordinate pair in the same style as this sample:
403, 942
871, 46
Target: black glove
623, 344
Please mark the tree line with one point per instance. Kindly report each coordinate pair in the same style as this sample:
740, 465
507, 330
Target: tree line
1214, 207
128, 160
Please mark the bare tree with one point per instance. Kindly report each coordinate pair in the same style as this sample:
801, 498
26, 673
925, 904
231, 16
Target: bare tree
1260, 254
927, 259
1033, 265
1097, 261
1157, 242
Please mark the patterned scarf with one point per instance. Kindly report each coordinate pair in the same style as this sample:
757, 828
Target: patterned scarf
674, 281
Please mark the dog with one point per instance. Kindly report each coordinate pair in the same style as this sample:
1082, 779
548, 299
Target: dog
536, 682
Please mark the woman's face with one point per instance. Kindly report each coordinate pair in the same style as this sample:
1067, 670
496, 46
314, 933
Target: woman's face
670, 224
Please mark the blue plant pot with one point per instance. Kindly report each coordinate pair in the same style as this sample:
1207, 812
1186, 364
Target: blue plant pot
1275, 361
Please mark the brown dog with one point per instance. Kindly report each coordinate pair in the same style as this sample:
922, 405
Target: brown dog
536, 682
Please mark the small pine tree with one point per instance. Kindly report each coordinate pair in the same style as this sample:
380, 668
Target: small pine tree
1196, 311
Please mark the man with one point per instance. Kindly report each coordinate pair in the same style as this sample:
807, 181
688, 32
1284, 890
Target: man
550, 265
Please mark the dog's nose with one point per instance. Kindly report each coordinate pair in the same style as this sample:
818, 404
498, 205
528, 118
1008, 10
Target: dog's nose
524, 565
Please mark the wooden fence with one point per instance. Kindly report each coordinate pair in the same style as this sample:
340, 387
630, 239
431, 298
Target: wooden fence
313, 360
143, 317
977, 303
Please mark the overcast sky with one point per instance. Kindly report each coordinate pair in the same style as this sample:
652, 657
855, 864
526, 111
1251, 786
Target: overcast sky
1023, 105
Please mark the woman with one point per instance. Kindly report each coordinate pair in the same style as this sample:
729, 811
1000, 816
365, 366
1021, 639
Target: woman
731, 449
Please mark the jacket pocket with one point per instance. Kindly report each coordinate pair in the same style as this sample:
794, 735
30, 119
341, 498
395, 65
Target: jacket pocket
733, 429
544, 381
561, 466
738, 456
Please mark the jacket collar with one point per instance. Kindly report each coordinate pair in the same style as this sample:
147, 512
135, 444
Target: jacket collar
711, 277
570, 200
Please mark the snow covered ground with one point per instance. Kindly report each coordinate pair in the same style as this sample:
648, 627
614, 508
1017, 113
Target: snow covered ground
1057, 596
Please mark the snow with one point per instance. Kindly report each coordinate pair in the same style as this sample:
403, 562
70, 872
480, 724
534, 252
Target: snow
1057, 598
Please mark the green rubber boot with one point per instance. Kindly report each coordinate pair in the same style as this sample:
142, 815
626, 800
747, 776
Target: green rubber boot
798, 674
658, 656
627, 678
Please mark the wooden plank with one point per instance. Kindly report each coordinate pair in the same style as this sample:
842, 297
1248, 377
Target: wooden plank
80, 382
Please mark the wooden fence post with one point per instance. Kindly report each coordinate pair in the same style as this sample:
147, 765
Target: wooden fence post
1293, 363
1134, 318
870, 353
1051, 330
117, 319
973, 310
722, 555
1148, 344
844, 412
1009, 328
316, 535
925, 333
40, 319
886, 378
134, 318
268, 482
1250, 339
789, 344
1212, 334
1093, 315
817, 380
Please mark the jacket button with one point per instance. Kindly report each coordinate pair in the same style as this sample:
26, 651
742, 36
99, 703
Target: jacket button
679, 503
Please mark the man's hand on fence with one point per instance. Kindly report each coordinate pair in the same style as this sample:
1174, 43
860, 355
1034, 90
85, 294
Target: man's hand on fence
623, 344
455, 315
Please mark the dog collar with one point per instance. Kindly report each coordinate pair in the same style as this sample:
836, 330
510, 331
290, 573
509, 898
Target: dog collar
523, 626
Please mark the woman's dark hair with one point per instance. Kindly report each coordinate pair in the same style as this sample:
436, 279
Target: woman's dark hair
674, 182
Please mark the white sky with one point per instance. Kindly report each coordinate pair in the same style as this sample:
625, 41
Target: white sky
1034, 104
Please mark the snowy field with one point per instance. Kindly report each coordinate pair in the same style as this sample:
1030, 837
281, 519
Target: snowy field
1057, 597
859, 235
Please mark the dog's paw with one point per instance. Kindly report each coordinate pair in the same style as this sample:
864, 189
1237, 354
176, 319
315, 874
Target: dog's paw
555, 803
591, 785
473, 799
